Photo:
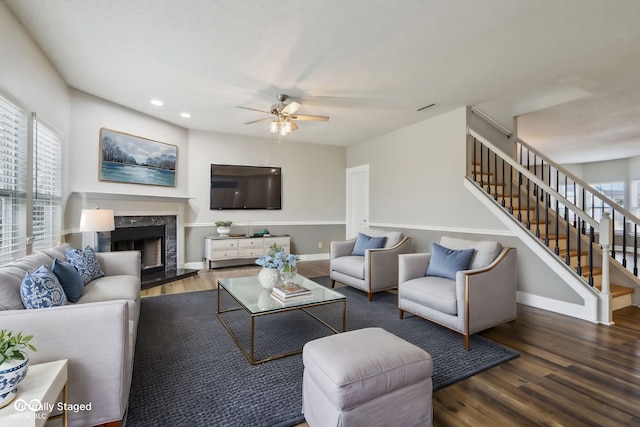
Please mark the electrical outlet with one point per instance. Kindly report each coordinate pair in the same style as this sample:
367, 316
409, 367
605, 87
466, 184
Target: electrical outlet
319, 245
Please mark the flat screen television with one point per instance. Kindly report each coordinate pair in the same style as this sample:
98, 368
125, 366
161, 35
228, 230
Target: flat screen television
245, 187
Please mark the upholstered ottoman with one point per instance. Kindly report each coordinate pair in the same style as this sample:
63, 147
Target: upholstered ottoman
368, 377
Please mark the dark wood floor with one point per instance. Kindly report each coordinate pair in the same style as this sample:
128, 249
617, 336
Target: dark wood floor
570, 372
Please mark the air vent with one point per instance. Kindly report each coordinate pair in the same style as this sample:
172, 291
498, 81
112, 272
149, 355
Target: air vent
427, 107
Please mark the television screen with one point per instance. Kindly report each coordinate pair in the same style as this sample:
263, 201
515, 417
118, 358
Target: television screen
245, 187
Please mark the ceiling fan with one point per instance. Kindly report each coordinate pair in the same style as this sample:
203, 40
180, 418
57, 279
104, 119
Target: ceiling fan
283, 116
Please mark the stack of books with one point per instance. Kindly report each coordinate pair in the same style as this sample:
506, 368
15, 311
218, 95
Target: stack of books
291, 294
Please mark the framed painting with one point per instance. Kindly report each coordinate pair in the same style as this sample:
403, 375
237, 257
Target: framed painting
136, 160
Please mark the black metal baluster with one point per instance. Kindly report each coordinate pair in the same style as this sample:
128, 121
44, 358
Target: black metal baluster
519, 196
536, 188
481, 166
592, 240
635, 250
495, 175
528, 192
557, 228
503, 184
546, 217
578, 246
567, 259
511, 189
474, 161
624, 241
613, 234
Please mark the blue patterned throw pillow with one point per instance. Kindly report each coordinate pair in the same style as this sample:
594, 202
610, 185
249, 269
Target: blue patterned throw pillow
69, 278
85, 262
41, 289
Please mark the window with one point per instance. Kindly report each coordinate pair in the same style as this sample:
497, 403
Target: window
635, 197
47, 187
13, 181
596, 207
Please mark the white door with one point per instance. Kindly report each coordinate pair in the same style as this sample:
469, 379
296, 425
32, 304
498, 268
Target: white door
357, 200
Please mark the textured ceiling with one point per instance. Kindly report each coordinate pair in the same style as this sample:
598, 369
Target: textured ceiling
568, 68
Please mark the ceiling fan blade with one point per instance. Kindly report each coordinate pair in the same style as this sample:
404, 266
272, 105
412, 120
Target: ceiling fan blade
259, 120
291, 108
310, 118
294, 126
253, 109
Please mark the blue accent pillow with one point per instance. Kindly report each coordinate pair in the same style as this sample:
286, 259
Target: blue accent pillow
69, 278
41, 289
85, 262
365, 242
447, 262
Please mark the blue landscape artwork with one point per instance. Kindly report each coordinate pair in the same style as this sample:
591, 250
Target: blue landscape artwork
136, 160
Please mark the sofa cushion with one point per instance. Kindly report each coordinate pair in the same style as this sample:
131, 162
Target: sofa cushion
10, 281
41, 289
350, 265
85, 262
34, 261
447, 262
110, 288
58, 251
365, 242
486, 251
436, 293
69, 278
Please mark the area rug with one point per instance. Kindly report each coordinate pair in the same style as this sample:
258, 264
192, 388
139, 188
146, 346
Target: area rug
188, 371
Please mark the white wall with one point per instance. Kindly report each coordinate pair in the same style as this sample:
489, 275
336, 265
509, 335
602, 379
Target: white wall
90, 114
27, 76
416, 176
313, 178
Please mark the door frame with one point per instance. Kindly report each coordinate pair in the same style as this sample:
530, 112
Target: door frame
350, 173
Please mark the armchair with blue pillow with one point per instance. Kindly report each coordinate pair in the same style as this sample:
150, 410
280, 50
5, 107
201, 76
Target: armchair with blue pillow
467, 286
368, 262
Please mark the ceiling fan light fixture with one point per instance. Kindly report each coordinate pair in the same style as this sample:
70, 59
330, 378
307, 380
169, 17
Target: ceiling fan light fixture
273, 126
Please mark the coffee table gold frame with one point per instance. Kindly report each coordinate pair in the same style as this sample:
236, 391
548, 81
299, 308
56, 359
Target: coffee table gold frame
250, 352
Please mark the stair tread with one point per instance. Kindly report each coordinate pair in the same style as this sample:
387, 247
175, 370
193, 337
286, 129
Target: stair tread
596, 271
617, 290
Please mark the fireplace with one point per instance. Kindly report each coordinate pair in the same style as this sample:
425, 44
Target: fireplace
149, 240
154, 236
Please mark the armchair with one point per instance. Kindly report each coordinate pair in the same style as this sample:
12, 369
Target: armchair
480, 297
376, 269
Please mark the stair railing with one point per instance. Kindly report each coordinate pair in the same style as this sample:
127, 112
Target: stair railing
588, 200
544, 204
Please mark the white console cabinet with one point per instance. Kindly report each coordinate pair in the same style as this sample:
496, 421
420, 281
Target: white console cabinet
225, 251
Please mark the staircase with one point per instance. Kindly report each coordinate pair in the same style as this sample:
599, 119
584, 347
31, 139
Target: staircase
558, 211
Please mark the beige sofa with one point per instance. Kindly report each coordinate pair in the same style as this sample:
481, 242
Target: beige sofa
480, 297
96, 334
374, 271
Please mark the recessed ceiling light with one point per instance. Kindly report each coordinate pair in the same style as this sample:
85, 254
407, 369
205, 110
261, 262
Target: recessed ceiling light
157, 102
185, 115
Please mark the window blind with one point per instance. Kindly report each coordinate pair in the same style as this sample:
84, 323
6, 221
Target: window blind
47, 187
13, 181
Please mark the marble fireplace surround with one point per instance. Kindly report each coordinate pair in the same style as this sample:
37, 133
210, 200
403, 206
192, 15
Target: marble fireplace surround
141, 210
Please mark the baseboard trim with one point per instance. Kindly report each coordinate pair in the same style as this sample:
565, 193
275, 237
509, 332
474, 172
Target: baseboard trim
555, 306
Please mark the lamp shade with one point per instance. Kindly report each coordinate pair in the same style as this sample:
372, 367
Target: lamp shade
97, 220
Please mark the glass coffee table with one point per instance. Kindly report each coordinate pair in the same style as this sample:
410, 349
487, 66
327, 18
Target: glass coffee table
257, 301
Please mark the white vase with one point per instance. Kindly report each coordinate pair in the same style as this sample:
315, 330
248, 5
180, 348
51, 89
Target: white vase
268, 277
223, 231
11, 373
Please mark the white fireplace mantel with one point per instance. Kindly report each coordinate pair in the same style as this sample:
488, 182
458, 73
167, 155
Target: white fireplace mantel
140, 205
131, 197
